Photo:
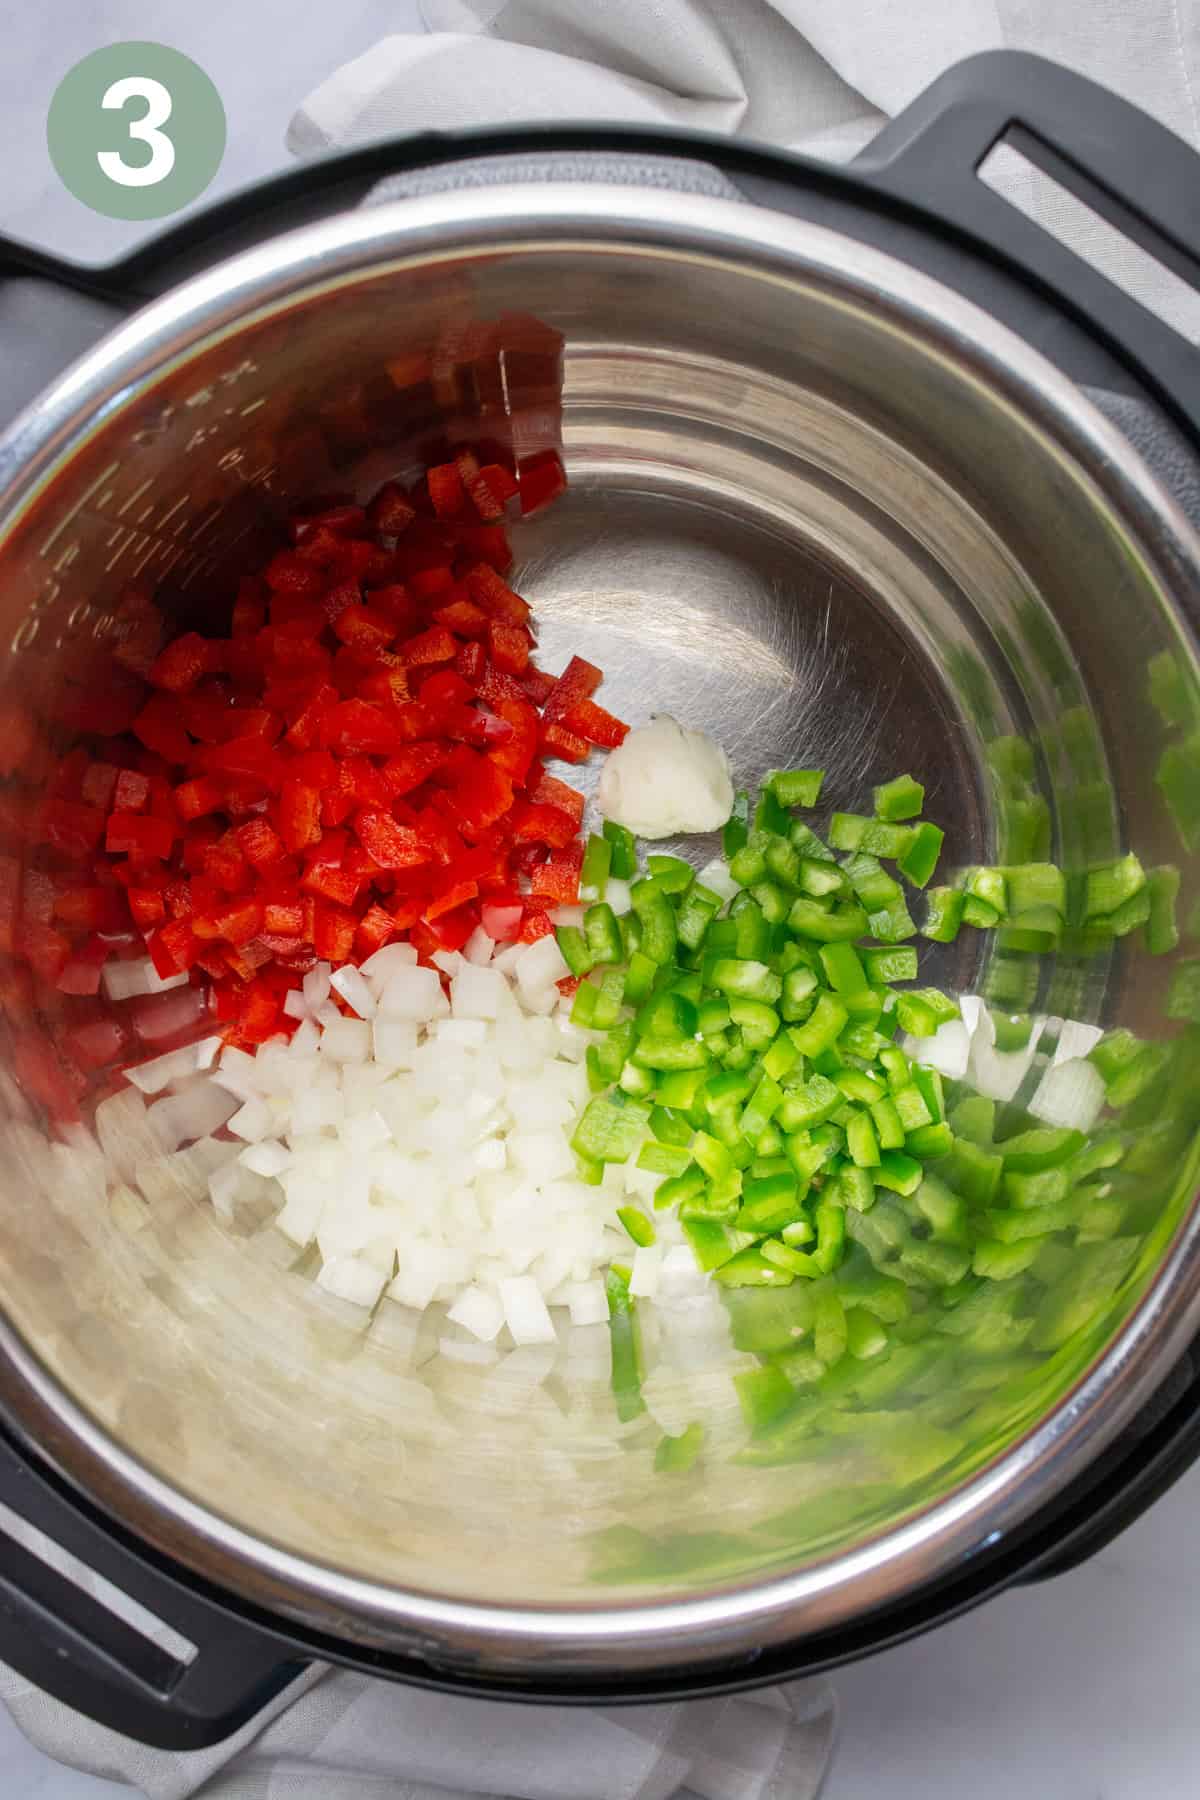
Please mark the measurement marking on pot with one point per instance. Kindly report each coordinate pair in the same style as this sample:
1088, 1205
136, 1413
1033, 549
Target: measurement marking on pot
105, 475
134, 496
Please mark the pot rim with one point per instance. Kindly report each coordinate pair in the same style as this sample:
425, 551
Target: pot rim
717, 1625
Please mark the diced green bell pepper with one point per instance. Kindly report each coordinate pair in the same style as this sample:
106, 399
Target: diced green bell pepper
796, 787
623, 856
919, 858
900, 798
943, 914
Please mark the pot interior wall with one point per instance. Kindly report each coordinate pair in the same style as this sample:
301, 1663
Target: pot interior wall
792, 521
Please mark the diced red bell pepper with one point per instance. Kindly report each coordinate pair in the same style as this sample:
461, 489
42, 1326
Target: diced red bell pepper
566, 745
536, 925
225, 864
260, 844
174, 948
537, 685
283, 918
394, 846
132, 792
299, 814
70, 827
394, 602
390, 512
492, 593
330, 883
489, 543
96, 1043
596, 725
558, 879
147, 907
437, 645
252, 757
411, 766
290, 573
470, 663
160, 728
195, 798
501, 918
446, 490
185, 660
489, 489
92, 909
543, 824
342, 517
239, 923
138, 834
81, 971
428, 582
333, 932
463, 618
364, 627
450, 930
259, 1017
359, 727
480, 788
508, 646
547, 790
375, 929
542, 479
453, 894
578, 681
387, 687
99, 785
307, 730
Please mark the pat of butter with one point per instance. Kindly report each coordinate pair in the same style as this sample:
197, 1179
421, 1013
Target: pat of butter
665, 780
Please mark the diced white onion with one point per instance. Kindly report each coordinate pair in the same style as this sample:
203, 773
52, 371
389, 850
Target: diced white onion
541, 966
478, 1311
1070, 1094
646, 1271
948, 1050
346, 1040
413, 993
588, 1303
153, 1076
525, 1311
267, 1157
715, 875
1076, 1039
618, 895
354, 991
124, 980
316, 985
295, 1006
478, 947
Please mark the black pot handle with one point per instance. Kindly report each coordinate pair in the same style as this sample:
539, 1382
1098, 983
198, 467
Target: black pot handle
73, 1647
1136, 175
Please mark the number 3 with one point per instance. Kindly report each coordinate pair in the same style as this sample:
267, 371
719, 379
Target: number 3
145, 129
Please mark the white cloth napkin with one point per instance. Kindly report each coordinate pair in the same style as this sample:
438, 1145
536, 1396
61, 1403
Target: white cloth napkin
819, 76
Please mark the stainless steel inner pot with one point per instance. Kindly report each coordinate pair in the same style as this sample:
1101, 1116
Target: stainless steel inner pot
820, 507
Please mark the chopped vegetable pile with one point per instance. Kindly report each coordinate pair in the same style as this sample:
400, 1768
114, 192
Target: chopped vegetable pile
750, 1061
360, 760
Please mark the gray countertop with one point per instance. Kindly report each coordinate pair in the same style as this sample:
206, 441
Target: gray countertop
1081, 1689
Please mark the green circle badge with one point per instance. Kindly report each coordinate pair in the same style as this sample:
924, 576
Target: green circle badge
136, 130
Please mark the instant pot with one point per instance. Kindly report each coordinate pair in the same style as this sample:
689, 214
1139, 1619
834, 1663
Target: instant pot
863, 465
